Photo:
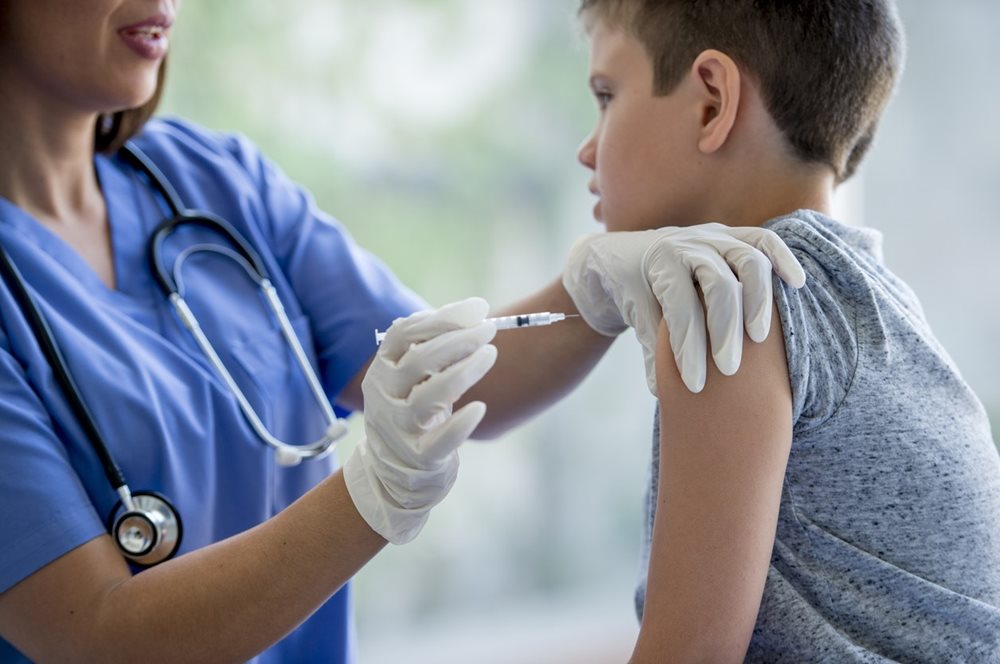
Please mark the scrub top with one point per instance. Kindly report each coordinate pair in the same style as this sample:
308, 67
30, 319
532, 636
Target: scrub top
171, 423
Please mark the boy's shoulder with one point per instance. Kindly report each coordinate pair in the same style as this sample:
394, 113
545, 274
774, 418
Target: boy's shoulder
811, 232
835, 256
819, 321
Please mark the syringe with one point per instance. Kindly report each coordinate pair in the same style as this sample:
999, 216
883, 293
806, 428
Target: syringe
513, 322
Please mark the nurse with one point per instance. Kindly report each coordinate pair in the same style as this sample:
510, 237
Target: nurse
265, 550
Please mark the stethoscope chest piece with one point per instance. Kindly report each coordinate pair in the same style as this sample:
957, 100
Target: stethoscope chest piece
150, 532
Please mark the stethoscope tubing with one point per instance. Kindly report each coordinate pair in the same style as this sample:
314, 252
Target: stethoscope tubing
50, 348
182, 216
286, 454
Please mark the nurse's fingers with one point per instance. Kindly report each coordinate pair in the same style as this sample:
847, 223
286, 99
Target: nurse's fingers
723, 295
445, 439
685, 319
437, 394
782, 259
754, 273
425, 325
431, 357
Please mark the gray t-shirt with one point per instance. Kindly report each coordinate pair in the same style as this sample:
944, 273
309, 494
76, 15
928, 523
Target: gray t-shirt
888, 537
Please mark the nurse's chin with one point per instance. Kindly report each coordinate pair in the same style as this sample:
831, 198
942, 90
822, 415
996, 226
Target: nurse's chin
132, 91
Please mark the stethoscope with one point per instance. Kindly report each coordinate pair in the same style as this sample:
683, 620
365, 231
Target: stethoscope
144, 524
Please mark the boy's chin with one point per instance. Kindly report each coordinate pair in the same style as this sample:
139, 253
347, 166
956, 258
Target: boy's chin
625, 225
617, 220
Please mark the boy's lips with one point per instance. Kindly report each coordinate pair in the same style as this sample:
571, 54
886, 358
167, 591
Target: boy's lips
597, 206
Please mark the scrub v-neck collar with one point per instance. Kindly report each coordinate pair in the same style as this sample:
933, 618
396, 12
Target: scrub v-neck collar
131, 213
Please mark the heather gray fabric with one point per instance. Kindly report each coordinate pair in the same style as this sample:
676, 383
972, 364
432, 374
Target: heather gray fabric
888, 537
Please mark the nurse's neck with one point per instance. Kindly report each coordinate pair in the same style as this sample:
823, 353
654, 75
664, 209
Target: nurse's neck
48, 171
48, 165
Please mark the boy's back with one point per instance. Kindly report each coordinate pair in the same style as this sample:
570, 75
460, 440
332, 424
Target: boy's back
888, 535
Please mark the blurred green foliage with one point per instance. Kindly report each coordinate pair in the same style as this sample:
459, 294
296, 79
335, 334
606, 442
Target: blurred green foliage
425, 199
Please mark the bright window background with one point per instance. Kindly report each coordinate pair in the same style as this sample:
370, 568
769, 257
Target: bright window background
443, 134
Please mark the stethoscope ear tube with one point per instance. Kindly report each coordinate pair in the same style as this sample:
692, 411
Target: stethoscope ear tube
182, 216
138, 158
164, 229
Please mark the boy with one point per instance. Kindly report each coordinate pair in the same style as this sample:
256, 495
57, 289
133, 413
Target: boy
838, 499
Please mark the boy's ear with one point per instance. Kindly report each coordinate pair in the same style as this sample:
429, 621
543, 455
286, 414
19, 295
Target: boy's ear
718, 80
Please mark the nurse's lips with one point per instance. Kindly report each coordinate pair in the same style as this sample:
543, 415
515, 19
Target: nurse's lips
148, 38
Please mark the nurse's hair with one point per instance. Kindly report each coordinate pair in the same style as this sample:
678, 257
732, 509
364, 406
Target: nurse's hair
825, 68
113, 129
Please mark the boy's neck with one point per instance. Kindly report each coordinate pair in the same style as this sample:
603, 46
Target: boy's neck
766, 193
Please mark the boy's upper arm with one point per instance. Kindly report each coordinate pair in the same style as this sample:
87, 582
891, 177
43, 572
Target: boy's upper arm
723, 454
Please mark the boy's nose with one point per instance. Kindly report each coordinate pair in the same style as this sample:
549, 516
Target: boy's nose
587, 152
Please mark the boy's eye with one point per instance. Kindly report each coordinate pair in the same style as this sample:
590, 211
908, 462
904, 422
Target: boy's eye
603, 98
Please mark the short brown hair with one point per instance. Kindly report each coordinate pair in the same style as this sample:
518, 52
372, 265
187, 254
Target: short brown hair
826, 68
113, 129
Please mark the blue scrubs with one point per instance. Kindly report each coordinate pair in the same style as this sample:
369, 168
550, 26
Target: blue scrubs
171, 423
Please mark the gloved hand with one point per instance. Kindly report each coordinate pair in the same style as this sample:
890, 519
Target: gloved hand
626, 279
407, 461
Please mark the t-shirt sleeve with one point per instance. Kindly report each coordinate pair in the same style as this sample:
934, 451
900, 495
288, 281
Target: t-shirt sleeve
819, 326
344, 291
44, 509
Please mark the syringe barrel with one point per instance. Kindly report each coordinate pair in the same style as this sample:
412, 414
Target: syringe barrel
526, 320
510, 322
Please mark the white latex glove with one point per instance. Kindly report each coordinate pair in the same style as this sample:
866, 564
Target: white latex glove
626, 279
407, 461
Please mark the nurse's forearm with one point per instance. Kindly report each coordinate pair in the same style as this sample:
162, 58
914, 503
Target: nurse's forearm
232, 600
538, 366
226, 602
